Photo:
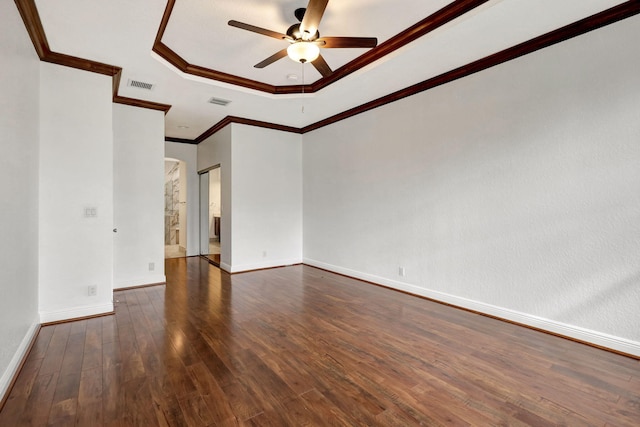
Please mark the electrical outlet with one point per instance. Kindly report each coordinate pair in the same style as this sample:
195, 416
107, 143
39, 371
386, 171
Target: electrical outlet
264, 254
152, 266
401, 271
92, 290
90, 212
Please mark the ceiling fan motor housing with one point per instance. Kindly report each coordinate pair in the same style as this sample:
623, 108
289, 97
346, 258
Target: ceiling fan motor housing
295, 33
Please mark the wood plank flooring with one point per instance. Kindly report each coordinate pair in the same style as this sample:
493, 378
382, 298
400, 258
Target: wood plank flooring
298, 346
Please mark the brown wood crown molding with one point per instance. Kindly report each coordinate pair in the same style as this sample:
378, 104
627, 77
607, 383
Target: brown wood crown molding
33, 24
234, 119
604, 18
180, 140
243, 121
31, 19
141, 103
448, 13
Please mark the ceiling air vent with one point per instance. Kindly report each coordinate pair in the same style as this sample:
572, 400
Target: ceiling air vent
140, 85
219, 101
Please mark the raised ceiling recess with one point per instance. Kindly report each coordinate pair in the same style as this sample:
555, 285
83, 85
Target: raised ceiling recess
190, 54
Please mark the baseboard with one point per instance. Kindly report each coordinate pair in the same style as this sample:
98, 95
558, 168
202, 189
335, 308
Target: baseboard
587, 336
75, 313
20, 356
146, 285
139, 281
259, 266
226, 267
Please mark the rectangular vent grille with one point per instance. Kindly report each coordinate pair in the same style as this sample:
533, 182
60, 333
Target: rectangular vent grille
218, 101
140, 85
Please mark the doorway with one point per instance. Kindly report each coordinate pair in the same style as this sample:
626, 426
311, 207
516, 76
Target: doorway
175, 208
210, 215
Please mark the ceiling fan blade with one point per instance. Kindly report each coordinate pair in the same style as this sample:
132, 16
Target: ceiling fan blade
342, 42
312, 17
273, 58
258, 30
321, 65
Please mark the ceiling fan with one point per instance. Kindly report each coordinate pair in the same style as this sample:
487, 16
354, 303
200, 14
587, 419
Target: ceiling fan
304, 38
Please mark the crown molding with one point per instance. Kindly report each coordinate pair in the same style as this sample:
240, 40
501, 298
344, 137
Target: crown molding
607, 17
244, 121
33, 24
31, 19
180, 140
604, 18
432, 22
441, 17
117, 99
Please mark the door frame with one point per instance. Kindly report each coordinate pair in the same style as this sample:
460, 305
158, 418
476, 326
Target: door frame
205, 215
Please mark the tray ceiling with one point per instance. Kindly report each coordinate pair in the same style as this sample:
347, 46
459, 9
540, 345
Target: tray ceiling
122, 33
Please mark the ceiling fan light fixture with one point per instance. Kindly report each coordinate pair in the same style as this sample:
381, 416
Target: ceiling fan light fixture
302, 51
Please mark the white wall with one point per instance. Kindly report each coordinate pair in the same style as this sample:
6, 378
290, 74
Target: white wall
138, 196
515, 191
261, 226
76, 172
19, 133
216, 150
267, 198
188, 154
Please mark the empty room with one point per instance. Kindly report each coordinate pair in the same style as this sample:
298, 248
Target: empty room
313, 212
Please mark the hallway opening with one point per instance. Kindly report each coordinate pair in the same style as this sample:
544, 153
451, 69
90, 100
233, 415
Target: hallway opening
175, 208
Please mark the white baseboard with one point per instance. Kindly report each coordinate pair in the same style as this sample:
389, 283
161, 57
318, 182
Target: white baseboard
576, 332
16, 360
140, 281
259, 266
75, 313
226, 267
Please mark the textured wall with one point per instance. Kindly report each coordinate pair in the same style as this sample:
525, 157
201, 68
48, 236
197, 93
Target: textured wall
76, 172
138, 196
267, 198
19, 133
517, 187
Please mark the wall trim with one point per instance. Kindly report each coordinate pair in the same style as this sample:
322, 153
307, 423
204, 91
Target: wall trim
267, 268
225, 267
260, 265
18, 360
243, 121
583, 26
578, 28
437, 19
133, 102
29, 13
75, 313
180, 140
590, 337
148, 285
33, 24
149, 280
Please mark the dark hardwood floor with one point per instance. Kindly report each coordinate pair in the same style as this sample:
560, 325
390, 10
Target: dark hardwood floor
213, 259
299, 346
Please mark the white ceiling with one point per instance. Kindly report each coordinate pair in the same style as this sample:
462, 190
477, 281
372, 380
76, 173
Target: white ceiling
122, 33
